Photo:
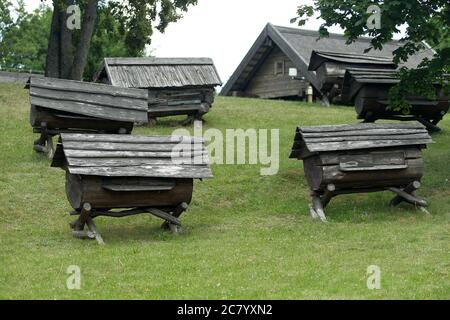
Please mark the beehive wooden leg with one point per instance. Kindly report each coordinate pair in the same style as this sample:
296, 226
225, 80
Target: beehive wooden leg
39, 144
152, 121
411, 189
177, 212
408, 197
329, 194
79, 224
189, 121
317, 207
429, 125
50, 147
93, 230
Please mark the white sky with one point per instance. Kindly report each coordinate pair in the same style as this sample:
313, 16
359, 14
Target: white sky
222, 29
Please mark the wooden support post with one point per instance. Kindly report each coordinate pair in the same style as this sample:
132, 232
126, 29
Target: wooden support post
164, 215
189, 121
411, 189
177, 212
430, 126
50, 147
329, 194
78, 225
152, 121
39, 144
317, 207
409, 197
93, 229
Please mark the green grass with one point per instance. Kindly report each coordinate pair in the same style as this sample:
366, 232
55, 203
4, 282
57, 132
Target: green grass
245, 236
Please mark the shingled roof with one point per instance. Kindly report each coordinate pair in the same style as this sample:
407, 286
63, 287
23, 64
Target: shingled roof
133, 156
320, 57
298, 45
89, 99
159, 72
309, 140
355, 78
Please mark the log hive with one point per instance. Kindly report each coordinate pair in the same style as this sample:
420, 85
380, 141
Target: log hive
144, 174
176, 86
368, 90
72, 106
358, 158
330, 68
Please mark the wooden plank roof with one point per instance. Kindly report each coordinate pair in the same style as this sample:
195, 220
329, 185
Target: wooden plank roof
298, 45
320, 57
133, 156
357, 137
356, 78
89, 99
159, 72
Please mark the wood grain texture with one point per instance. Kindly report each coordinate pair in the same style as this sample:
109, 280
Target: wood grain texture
133, 156
90, 100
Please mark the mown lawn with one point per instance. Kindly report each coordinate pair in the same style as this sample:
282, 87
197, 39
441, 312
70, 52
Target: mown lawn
245, 236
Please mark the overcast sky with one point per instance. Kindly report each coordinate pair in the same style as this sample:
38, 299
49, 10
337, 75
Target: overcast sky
222, 29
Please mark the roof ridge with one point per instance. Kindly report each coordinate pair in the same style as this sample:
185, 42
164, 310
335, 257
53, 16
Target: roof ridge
331, 34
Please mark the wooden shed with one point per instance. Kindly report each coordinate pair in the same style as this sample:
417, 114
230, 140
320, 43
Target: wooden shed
369, 89
59, 106
176, 86
267, 70
360, 158
138, 174
330, 68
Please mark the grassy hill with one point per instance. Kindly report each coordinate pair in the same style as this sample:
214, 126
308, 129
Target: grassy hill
245, 236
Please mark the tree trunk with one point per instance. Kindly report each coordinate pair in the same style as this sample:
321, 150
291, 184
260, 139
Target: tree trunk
61, 60
82, 50
53, 62
66, 46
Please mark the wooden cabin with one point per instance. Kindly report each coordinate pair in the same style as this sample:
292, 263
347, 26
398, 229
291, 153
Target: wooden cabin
135, 174
276, 66
361, 158
176, 86
369, 89
330, 69
59, 106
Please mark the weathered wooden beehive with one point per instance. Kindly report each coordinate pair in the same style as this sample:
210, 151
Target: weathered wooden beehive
369, 89
330, 69
361, 158
139, 174
72, 106
177, 86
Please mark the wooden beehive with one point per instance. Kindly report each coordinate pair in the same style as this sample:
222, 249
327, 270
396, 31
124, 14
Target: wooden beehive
72, 106
176, 86
139, 173
369, 89
330, 68
361, 158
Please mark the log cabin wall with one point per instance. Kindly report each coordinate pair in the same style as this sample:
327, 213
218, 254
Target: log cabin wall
270, 82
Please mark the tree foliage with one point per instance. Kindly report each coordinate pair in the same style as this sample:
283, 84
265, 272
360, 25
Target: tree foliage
424, 21
23, 37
